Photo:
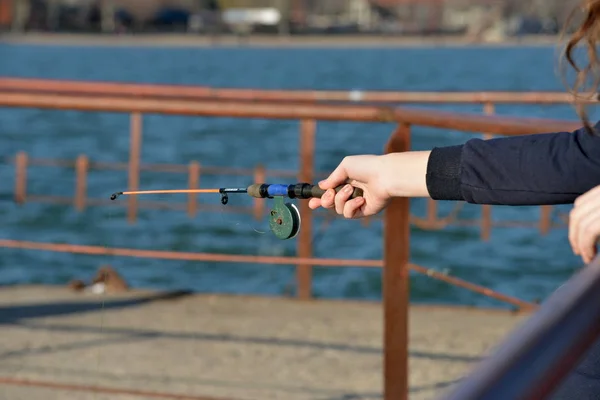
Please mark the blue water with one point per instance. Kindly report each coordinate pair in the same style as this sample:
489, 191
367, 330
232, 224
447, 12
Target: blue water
516, 261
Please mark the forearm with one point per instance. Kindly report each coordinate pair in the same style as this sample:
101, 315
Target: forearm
405, 173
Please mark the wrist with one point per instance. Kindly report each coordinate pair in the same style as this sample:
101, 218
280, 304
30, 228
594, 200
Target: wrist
405, 173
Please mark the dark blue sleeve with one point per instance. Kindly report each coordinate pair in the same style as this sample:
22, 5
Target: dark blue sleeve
539, 169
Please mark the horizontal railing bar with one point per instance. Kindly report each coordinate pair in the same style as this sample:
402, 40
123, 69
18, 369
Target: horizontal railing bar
188, 256
276, 260
166, 168
129, 89
523, 305
13, 381
356, 113
535, 358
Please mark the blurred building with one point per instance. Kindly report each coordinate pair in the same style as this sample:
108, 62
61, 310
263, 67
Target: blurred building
478, 18
6, 14
400, 16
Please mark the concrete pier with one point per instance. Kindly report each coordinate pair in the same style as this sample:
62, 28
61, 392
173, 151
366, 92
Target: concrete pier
226, 347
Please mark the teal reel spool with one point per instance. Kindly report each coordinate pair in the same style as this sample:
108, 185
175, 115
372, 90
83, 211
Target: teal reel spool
284, 219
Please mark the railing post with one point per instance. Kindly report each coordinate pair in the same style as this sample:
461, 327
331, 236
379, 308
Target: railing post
81, 168
306, 174
486, 210
20, 177
134, 163
432, 212
545, 219
396, 283
193, 183
259, 204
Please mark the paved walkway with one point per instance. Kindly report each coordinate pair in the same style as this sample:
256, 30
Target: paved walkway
226, 347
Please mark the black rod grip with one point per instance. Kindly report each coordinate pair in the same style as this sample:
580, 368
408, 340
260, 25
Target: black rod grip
316, 191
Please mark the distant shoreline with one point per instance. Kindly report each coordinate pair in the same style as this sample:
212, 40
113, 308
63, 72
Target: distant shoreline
200, 41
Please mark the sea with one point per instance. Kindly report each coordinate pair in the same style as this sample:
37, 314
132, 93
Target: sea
515, 261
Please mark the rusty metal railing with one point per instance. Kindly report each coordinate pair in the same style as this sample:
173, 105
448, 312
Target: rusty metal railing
532, 362
180, 92
395, 263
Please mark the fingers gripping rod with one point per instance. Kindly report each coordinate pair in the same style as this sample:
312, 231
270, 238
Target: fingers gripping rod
284, 218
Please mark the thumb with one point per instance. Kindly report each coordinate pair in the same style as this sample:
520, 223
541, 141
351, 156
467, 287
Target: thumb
336, 178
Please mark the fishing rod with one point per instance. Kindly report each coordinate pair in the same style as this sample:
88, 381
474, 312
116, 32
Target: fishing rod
284, 218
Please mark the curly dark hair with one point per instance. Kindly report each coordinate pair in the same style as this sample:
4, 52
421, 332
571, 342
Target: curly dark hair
588, 33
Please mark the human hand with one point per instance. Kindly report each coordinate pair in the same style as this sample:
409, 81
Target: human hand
367, 172
584, 224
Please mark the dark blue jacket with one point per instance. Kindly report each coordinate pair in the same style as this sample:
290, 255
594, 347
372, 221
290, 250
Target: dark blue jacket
541, 169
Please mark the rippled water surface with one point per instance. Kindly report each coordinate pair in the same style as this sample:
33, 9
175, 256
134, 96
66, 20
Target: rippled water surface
516, 261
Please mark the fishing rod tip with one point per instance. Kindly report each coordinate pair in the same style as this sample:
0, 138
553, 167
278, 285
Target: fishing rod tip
114, 196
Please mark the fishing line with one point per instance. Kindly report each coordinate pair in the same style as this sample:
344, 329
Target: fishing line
111, 218
222, 213
222, 191
103, 301
284, 218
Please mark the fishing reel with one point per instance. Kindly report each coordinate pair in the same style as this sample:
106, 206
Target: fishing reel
284, 218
